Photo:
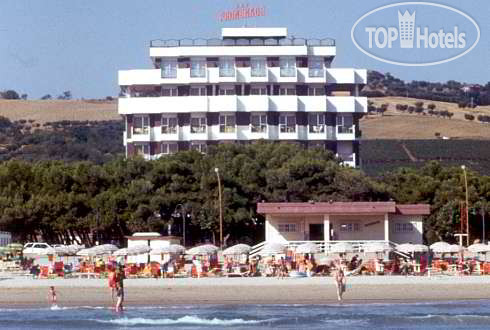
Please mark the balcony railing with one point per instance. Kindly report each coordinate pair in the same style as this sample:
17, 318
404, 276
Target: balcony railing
288, 72
198, 129
317, 129
345, 129
226, 72
198, 73
316, 73
258, 72
242, 42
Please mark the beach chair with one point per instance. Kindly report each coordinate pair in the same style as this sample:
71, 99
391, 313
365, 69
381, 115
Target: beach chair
44, 272
59, 269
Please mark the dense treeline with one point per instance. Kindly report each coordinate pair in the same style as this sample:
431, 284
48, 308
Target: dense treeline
380, 85
95, 141
61, 201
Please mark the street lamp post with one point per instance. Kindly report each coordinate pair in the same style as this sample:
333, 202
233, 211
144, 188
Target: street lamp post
467, 214
483, 210
182, 213
220, 210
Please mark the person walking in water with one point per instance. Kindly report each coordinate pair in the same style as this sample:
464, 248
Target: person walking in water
340, 282
52, 295
120, 297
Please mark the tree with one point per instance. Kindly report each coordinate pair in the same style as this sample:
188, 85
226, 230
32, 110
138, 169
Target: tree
431, 106
65, 96
24, 96
10, 95
46, 97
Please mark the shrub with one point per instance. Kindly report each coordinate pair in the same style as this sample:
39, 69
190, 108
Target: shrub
431, 106
468, 116
462, 105
411, 109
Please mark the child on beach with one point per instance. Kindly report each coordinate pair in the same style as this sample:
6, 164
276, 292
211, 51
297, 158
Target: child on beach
52, 295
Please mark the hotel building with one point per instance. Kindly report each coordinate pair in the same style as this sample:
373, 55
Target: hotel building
252, 84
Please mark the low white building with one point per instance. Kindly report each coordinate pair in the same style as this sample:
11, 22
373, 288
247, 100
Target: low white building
344, 221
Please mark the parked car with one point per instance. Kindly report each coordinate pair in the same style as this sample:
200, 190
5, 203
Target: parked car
35, 248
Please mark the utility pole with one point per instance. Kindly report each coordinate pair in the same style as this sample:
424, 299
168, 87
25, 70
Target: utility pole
483, 210
467, 214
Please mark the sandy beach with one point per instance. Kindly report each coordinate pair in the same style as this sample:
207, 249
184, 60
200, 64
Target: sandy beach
22, 292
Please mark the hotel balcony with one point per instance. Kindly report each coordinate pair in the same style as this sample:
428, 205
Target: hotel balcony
307, 75
221, 103
253, 103
167, 104
346, 104
347, 159
283, 103
283, 75
312, 103
345, 132
249, 75
321, 132
346, 76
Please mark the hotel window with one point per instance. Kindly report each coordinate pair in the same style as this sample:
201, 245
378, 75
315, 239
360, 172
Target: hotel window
169, 68
198, 91
169, 125
169, 91
258, 90
141, 125
227, 123
407, 227
315, 67
288, 66
198, 125
257, 65
227, 90
199, 146
287, 123
142, 149
258, 123
344, 124
283, 90
198, 68
287, 227
226, 67
168, 148
316, 122
350, 227
316, 91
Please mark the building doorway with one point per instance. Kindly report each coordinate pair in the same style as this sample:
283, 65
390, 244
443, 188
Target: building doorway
316, 232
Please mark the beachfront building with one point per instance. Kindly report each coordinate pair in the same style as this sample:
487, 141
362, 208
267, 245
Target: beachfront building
331, 222
252, 84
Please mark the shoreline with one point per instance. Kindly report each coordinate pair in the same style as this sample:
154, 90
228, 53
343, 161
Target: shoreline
25, 293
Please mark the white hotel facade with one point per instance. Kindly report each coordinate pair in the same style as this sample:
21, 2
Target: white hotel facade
253, 84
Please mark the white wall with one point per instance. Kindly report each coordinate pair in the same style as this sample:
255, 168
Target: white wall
415, 237
374, 230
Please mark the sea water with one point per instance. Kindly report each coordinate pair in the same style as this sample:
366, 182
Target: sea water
427, 315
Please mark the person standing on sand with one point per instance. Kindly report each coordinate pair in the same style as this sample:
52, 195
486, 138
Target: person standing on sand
340, 282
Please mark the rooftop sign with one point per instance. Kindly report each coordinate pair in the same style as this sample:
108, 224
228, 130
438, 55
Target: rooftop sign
242, 11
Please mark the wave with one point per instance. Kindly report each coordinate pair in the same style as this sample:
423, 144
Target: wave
194, 320
456, 317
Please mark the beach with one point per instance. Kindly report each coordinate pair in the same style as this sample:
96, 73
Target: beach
26, 292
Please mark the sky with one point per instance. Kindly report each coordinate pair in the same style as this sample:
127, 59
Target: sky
51, 46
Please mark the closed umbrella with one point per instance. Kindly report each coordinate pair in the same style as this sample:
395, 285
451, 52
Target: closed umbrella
202, 250
342, 247
237, 249
273, 248
307, 248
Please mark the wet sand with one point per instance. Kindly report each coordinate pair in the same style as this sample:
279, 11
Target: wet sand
22, 292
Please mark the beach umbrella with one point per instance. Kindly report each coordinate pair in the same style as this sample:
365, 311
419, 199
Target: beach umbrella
88, 252
48, 251
202, 250
121, 252
455, 248
273, 248
342, 247
109, 248
169, 249
307, 248
138, 249
411, 248
440, 247
237, 249
377, 247
479, 248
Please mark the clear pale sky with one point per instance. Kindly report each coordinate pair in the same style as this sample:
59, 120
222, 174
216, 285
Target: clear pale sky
51, 46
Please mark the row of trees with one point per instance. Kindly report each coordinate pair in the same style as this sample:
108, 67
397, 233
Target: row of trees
62, 201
